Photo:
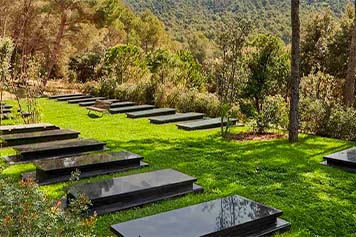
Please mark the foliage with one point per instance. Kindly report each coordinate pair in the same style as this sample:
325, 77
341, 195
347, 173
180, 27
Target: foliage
26, 211
268, 63
230, 69
82, 67
273, 114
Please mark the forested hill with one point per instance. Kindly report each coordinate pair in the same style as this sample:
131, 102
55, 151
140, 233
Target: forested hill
182, 17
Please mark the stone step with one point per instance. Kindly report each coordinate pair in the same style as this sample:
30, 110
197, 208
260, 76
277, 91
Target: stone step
91, 103
74, 97
176, 118
134, 190
204, 124
37, 137
131, 109
6, 111
39, 151
52, 171
345, 160
152, 112
6, 106
92, 99
26, 128
122, 104
61, 96
229, 216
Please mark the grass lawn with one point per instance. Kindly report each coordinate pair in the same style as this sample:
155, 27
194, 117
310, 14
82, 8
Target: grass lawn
317, 200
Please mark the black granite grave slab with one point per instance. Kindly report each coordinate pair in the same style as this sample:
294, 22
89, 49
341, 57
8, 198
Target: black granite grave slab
91, 99
6, 111
122, 104
37, 137
230, 216
90, 103
74, 97
344, 159
61, 96
176, 118
151, 112
26, 128
131, 109
6, 106
59, 170
204, 124
134, 190
39, 151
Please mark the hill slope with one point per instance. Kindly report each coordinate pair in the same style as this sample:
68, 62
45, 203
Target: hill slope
182, 17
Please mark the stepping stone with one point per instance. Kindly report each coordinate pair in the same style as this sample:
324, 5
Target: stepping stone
39, 151
91, 103
74, 97
131, 109
230, 216
152, 112
344, 159
176, 118
134, 190
204, 124
77, 101
5, 106
122, 104
27, 128
37, 137
6, 111
67, 95
60, 170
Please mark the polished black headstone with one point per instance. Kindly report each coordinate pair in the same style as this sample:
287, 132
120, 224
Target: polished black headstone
344, 159
204, 124
131, 109
122, 104
134, 190
39, 151
26, 128
151, 112
37, 137
230, 216
91, 99
59, 170
91, 103
176, 118
74, 97
67, 95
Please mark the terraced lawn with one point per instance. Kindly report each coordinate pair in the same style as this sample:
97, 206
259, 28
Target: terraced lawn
316, 199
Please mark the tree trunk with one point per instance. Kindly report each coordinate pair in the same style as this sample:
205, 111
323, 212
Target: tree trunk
349, 90
295, 74
57, 44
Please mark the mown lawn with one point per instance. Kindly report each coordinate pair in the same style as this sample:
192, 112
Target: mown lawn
317, 200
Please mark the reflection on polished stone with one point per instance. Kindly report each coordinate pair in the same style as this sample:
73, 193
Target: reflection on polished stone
37, 137
26, 128
176, 118
60, 169
204, 124
135, 190
151, 112
344, 159
230, 216
39, 151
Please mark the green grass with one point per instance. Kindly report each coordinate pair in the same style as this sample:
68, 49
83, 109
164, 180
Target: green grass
316, 199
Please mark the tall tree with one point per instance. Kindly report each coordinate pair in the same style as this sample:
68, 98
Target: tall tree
295, 74
349, 92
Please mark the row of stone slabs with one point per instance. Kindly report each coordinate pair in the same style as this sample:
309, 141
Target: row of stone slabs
245, 217
156, 115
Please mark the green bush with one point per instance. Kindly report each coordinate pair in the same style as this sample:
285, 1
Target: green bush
26, 211
313, 114
82, 67
274, 114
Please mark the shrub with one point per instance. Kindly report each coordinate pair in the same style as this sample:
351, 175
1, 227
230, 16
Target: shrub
82, 67
273, 114
26, 211
313, 115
